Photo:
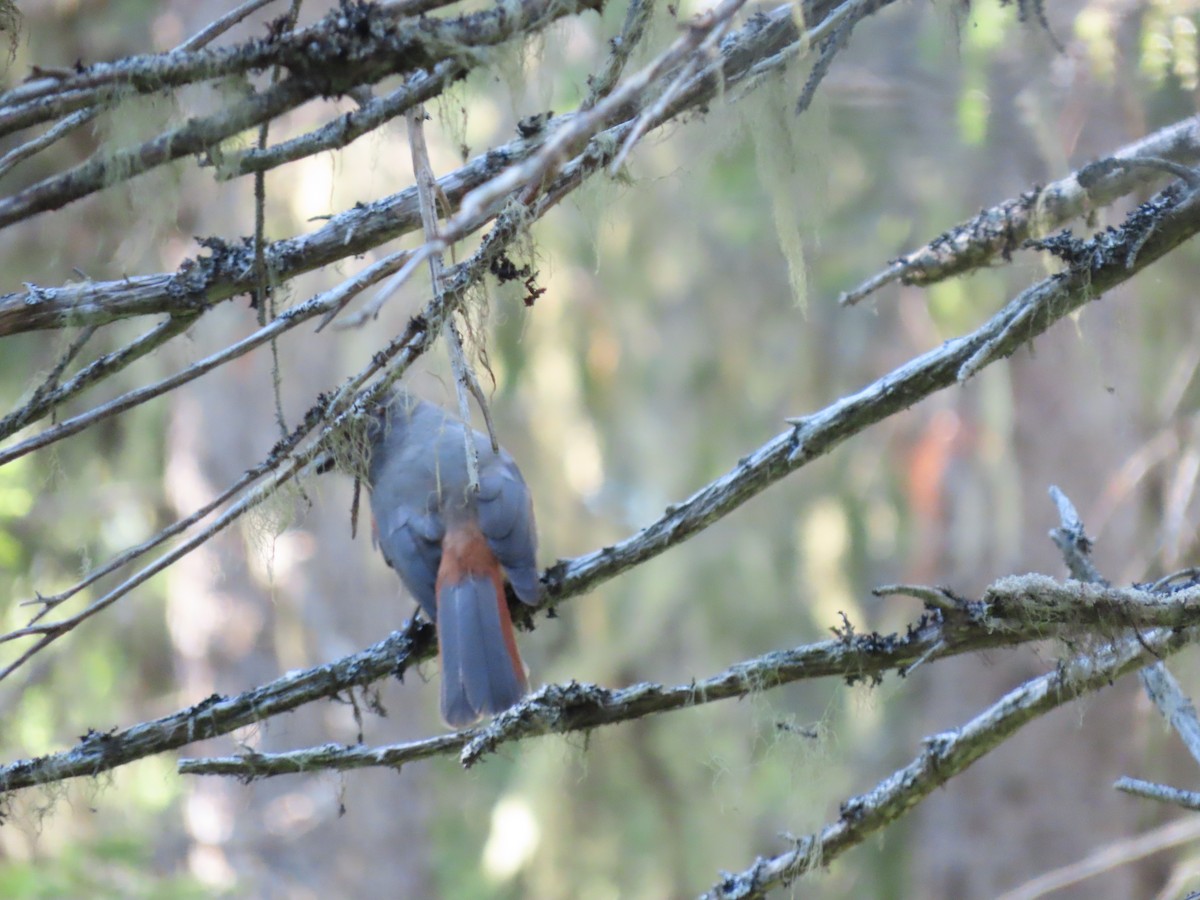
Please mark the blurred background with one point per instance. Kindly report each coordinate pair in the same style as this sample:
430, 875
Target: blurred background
690, 308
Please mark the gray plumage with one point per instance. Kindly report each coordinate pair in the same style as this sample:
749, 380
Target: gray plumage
420, 493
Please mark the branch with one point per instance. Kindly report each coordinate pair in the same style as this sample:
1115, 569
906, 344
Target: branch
1072, 540
1003, 228
334, 417
1173, 219
357, 52
946, 755
998, 619
351, 45
637, 17
1160, 685
1160, 792
1030, 314
103, 751
1012, 611
1174, 704
229, 269
1118, 853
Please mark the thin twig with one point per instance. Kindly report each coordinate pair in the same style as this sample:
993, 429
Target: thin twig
1104, 859
51, 383
1161, 792
280, 468
52, 135
342, 131
833, 36
215, 29
426, 183
81, 117
1072, 540
98, 369
1176, 707
637, 17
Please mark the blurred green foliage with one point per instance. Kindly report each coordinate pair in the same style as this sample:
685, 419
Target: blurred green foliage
115, 867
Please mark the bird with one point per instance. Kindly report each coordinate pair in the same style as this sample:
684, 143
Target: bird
454, 548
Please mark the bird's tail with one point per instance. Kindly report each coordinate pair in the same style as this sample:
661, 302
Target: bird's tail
481, 668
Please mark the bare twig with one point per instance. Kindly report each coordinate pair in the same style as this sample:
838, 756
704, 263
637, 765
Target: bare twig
1175, 706
426, 184
704, 54
218, 27
1072, 541
36, 145
342, 131
1189, 573
51, 383
1161, 792
43, 402
1111, 856
637, 17
833, 35
1093, 173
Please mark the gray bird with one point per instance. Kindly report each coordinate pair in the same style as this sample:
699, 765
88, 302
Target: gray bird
454, 549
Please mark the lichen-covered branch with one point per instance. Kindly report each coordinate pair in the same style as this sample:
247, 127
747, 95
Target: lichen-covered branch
102, 751
1160, 685
1002, 229
352, 45
1012, 611
1099, 265
326, 422
1163, 793
1096, 266
228, 270
359, 48
947, 754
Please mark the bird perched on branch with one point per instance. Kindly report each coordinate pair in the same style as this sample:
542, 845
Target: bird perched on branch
454, 547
